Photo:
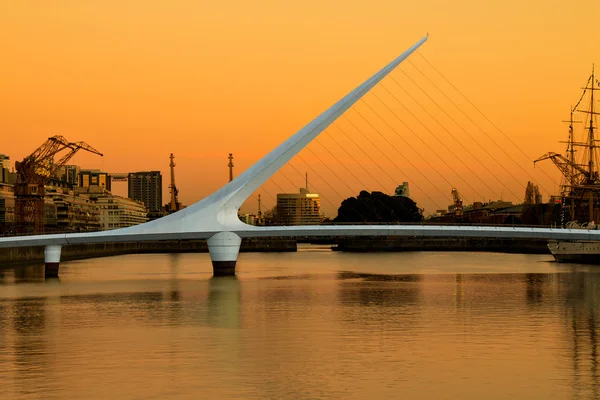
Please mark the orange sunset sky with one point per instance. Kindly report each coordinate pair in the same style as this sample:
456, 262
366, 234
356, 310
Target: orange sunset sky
141, 79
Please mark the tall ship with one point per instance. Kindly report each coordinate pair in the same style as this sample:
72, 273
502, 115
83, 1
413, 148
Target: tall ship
580, 188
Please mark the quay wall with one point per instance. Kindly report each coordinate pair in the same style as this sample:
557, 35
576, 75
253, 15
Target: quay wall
17, 255
526, 246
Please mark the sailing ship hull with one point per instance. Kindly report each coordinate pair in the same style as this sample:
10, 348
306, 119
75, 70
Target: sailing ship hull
579, 252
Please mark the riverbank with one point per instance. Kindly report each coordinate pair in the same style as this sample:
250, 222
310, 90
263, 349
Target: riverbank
391, 244
19, 255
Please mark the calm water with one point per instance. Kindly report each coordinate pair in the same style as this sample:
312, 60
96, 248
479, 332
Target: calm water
306, 325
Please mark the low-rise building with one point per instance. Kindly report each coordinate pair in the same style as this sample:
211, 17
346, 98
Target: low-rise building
7, 208
6, 176
120, 212
74, 212
249, 219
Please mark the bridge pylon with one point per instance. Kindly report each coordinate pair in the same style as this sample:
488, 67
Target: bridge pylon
224, 248
52, 260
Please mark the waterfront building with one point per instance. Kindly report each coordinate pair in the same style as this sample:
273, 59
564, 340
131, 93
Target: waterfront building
7, 208
69, 174
94, 177
302, 208
146, 186
402, 190
119, 212
4, 161
6, 176
74, 211
249, 219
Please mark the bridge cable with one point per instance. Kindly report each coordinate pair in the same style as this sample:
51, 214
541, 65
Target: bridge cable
454, 137
318, 191
359, 181
447, 131
401, 154
294, 184
470, 136
478, 127
324, 180
438, 139
483, 115
391, 161
366, 154
343, 181
397, 134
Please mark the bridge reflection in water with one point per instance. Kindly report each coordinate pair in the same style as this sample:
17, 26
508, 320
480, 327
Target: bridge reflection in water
271, 333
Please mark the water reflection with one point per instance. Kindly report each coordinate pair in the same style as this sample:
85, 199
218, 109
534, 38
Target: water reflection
33, 357
581, 304
403, 293
336, 334
224, 302
174, 261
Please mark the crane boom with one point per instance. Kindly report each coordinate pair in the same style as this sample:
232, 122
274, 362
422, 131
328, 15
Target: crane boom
571, 171
32, 175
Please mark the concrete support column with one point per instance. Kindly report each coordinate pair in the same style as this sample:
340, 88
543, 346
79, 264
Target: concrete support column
224, 248
52, 260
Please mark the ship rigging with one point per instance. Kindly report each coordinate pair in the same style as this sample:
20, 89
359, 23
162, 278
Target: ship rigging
581, 186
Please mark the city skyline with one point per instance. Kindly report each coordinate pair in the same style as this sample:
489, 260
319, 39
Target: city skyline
138, 89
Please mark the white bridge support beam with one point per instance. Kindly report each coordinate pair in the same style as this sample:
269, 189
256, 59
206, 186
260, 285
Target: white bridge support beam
224, 248
52, 260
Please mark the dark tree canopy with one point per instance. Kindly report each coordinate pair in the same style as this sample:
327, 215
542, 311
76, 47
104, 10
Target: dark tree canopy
378, 207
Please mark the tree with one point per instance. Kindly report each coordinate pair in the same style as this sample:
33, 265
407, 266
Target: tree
532, 194
378, 207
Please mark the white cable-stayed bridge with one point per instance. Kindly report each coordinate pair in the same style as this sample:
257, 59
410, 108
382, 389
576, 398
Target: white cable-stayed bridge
215, 218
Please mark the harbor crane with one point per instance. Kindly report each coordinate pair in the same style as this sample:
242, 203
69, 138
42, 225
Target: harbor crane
574, 173
458, 203
33, 173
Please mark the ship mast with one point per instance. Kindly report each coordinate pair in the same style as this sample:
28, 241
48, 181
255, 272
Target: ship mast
591, 135
591, 145
571, 155
571, 151
582, 179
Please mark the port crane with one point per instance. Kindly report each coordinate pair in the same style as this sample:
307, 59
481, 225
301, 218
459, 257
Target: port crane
33, 173
573, 173
458, 203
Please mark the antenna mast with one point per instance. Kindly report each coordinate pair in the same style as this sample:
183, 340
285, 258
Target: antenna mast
230, 165
174, 204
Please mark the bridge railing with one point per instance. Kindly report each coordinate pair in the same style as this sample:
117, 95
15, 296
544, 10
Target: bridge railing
424, 223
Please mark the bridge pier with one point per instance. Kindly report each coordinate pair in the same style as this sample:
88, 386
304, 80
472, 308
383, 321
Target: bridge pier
52, 260
224, 248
